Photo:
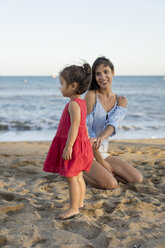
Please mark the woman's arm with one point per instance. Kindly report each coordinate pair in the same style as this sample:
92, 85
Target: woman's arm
104, 135
110, 128
90, 99
122, 101
87, 132
101, 161
75, 116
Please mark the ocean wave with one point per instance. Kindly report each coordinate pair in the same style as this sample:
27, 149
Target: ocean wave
23, 125
3, 127
135, 115
11, 96
49, 124
129, 128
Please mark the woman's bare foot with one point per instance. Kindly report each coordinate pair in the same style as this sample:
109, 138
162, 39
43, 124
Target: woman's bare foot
69, 213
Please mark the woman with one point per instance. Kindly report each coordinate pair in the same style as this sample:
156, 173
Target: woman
104, 112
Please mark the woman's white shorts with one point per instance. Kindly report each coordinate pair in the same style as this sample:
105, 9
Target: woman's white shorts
103, 149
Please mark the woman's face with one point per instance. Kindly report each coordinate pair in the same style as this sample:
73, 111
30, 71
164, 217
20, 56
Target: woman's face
104, 76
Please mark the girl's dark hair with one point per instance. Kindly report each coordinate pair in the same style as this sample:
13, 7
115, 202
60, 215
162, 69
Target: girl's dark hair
101, 60
82, 75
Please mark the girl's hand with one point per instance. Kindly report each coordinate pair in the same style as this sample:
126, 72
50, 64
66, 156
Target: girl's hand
67, 153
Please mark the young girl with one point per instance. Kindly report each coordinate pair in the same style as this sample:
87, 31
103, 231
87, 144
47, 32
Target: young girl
71, 151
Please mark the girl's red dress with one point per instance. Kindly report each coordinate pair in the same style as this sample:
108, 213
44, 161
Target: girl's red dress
82, 155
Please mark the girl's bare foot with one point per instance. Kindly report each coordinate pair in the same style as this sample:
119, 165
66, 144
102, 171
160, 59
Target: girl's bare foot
81, 205
68, 214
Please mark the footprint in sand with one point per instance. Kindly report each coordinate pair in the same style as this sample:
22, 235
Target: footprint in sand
87, 230
161, 187
3, 240
11, 209
160, 164
5, 155
6, 196
147, 189
109, 207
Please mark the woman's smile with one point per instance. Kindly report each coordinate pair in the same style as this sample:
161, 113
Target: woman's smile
103, 75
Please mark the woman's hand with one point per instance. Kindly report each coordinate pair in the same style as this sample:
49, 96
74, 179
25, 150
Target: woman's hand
93, 141
67, 153
98, 142
107, 166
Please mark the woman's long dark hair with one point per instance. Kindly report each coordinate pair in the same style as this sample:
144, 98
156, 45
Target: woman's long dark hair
101, 60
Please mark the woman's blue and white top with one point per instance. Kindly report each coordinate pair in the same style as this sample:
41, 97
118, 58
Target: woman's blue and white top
99, 119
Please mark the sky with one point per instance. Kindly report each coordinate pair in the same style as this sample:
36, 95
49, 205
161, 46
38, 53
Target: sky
41, 37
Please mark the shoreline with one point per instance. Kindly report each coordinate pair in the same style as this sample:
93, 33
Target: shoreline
130, 215
133, 140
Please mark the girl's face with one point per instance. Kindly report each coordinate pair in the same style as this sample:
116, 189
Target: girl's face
104, 76
66, 90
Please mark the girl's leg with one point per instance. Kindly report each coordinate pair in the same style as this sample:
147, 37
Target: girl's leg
124, 171
99, 177
82, 187
74, 193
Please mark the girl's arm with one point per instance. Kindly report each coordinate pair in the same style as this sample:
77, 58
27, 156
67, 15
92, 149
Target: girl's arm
75, 116
109, 130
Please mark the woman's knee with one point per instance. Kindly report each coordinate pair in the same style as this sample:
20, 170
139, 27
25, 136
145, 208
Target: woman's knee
109, 184
138, 178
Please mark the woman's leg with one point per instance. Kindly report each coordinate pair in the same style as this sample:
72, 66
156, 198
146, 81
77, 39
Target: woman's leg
124, 170
99, 177
82, 188
74, 193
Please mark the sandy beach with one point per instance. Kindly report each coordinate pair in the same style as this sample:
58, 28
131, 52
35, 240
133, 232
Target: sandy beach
130, 216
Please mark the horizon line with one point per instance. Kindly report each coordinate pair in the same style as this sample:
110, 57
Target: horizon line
120, 75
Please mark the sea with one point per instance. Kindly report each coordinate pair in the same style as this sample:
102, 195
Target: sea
31, 107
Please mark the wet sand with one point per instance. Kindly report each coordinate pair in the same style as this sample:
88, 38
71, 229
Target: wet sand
130, 216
